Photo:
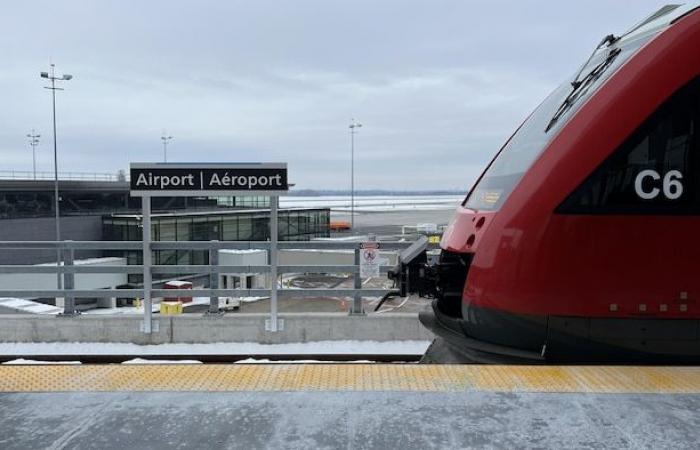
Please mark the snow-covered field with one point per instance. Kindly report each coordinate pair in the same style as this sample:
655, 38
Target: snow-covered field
374, 203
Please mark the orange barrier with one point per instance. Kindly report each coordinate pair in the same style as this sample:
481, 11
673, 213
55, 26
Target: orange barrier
339, 225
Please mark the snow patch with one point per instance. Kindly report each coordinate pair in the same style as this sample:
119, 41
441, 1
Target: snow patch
21, 361
161, 361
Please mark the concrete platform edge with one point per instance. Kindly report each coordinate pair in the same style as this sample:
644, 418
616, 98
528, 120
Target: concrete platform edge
209, 329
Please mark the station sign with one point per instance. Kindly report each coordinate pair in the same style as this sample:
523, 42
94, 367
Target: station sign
207, 179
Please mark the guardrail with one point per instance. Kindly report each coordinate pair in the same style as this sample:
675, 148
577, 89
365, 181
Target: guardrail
69, 269
47, 176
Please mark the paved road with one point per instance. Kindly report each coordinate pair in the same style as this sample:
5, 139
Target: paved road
347, 420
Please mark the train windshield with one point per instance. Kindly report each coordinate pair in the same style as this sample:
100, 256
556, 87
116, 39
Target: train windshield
533, 136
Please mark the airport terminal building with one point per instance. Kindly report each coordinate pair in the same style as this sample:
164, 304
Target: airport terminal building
93, 210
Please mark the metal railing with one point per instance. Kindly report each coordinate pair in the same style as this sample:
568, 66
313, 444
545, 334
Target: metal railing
69, 270
48, 176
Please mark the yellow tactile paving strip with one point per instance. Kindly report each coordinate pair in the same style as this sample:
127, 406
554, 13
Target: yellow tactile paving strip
348, 377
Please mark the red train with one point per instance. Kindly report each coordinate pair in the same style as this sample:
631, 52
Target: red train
581, 239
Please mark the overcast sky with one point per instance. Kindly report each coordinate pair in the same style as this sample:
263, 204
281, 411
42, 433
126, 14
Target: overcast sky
437, 85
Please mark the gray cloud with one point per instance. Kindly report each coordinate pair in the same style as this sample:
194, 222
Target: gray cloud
438, 85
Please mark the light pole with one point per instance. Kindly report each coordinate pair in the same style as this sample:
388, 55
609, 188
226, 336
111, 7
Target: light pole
353, 129
34, 141
51, 75
166, 140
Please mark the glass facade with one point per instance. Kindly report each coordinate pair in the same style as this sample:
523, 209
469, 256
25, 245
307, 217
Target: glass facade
243, 202
36, 199
15, 204
294, 225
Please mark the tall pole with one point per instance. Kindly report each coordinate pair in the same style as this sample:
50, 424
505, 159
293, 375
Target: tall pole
166, 140
34, 141
52, 76
59, 277
353, 127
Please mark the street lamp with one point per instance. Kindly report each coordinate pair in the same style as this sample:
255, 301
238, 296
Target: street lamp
353, 129
51, 75
166, 140
34, 141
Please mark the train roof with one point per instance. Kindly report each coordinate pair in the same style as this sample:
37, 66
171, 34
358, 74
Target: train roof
665, 16
611, 45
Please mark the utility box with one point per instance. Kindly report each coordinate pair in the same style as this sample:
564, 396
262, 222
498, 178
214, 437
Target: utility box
176, 284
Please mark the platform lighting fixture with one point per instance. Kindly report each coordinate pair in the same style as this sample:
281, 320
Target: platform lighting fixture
51, 76
353, 129
33, 141
166, 140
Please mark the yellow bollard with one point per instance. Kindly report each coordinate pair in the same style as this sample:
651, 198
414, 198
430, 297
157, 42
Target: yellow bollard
170, 308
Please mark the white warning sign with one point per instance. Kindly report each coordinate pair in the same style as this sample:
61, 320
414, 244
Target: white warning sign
369, 259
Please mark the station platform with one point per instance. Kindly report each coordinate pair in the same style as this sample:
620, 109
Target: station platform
348, 406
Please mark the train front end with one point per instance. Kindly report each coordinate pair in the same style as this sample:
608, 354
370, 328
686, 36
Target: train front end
580, 240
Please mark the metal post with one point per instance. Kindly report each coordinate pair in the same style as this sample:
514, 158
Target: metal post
34, 160
147, 280
357, 282
59, 279
165, 140
274, 231
353, 129
352, 179
69, 300
213, 280
34, 141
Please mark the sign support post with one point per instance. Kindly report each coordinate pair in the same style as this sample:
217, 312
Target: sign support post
274, 324
147, 277
208, 179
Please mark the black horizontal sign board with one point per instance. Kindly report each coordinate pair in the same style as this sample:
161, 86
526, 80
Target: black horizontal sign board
175, 179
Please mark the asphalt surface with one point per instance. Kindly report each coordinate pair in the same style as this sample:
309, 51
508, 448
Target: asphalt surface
347, 420
380, 223
390, 222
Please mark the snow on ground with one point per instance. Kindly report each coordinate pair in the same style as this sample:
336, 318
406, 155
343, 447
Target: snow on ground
219, 348
374, 203
119, 310
161, 361
26, 362
29, 306
155, 307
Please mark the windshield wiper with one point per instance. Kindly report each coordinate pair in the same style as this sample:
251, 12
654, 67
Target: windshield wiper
609, 40
581, 85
